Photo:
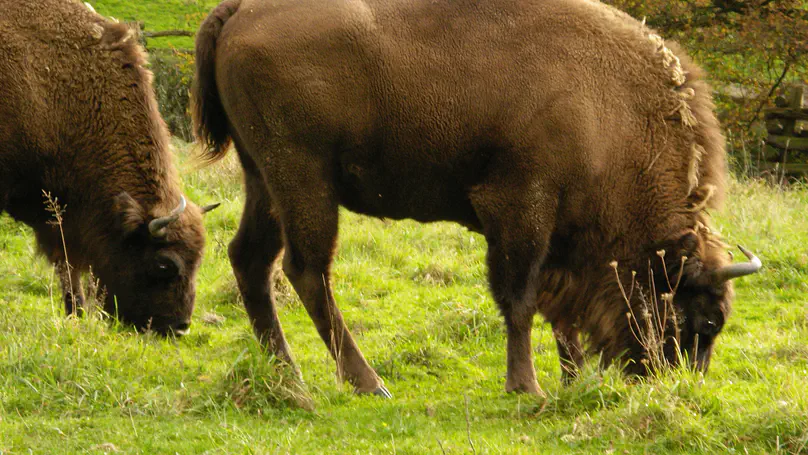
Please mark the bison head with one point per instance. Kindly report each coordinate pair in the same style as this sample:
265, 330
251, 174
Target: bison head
700, 301
150, 269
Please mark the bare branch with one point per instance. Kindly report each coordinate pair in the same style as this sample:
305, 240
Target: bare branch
777, 83
165, 33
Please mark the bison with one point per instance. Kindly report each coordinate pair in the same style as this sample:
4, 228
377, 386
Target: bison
570, 135
79, 121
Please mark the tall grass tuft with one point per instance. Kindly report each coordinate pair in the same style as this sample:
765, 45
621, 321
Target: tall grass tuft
256, 382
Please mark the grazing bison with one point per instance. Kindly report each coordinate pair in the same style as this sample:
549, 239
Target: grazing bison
78, 120
566, 132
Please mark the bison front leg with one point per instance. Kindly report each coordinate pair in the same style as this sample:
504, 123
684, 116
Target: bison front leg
72, 292
253, 253
521, 376
517, 221
570, 351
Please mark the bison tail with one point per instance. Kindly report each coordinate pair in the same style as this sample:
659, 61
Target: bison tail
210, 119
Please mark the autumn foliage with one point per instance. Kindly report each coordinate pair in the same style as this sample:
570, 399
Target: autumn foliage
750, 48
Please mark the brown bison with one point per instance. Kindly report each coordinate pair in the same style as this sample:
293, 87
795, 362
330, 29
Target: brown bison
566, 132
78, 120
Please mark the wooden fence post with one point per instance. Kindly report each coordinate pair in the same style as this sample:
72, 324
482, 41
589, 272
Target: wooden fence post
787, 125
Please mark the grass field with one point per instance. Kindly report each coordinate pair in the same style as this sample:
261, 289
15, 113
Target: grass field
415, 297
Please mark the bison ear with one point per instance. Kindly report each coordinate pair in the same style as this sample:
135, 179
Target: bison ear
131, 214
700, 197
682, 244
688, 244
116, 35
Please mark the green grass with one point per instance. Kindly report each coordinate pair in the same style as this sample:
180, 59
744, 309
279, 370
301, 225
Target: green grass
416, 299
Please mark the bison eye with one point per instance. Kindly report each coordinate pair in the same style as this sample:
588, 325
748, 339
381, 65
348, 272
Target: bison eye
165, 267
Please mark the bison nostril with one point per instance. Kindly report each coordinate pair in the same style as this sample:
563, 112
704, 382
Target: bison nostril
181, 328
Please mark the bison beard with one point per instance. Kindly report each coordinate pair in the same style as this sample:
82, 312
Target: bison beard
566, 132
78, 120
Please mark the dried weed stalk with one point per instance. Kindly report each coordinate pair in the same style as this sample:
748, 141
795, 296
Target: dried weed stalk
655, 321
57, 212
94, 293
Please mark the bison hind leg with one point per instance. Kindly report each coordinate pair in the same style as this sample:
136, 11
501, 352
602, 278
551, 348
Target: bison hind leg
305, 204
253, 253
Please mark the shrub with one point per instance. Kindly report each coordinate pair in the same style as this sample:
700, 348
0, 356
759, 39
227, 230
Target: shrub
173, 73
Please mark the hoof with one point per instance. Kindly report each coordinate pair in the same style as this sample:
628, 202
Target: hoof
383, 392
568, 379
530, 389
380, 392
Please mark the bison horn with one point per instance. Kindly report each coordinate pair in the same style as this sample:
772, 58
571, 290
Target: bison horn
210, 207
157, 226
738, 270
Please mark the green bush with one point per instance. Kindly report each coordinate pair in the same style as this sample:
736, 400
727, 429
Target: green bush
173, 74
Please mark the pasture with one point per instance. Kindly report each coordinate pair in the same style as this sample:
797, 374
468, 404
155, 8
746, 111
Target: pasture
416, 299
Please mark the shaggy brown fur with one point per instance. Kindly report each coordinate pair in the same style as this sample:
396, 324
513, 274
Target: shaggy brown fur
565, 131
78, 119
